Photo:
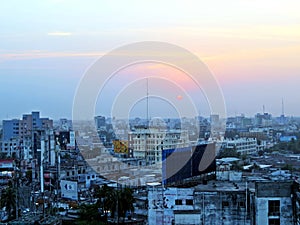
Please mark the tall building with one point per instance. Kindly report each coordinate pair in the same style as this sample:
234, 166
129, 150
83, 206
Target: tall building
148, 143
263, 120
100, 122
24, 134
19, 128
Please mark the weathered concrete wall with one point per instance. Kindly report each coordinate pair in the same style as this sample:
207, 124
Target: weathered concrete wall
222, 208
187, 219
262, 210
213, 207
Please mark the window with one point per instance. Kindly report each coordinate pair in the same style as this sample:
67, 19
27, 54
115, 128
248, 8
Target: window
274, 207
178, 202
189, 202
225, 204
274, 221
242, 204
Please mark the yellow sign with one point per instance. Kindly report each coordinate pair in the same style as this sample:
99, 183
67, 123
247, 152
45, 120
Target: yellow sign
120, 146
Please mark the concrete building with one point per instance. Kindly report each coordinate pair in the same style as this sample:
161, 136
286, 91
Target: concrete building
242, 145
100, 122
10, 148
17, 128
263, 120
215, 203
19, 134
231, 203
148, 143
6, 170
273, 203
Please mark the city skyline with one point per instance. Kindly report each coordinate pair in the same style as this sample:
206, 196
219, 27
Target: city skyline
251, 47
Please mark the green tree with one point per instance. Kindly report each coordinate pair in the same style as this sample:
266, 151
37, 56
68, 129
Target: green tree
89, 212
8, 200
228, 152
125, 202
115, 200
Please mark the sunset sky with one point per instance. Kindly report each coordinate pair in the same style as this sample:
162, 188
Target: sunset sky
251, 47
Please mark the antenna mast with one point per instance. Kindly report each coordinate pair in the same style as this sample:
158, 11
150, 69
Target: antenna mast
282, 107
147, 102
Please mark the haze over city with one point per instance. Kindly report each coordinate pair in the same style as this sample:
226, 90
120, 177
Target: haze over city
251, 47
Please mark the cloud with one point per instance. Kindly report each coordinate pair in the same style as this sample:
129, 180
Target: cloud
38, 54
59, 33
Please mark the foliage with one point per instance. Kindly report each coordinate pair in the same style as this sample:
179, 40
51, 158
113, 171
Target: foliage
8, 200
229, 152
89, 212
287, 167
111, 200
293, 146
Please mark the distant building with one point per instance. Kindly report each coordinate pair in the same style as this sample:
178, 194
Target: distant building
23, 136
65, 125
17, 128
241, 145
100, 122
287, 138
263, 120
149, 143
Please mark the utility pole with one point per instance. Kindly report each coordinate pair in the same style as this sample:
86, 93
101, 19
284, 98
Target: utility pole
16, 188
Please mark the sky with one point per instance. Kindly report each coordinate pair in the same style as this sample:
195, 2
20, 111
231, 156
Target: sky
251, 47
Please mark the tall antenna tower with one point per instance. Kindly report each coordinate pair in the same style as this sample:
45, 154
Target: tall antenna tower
147, 98
282, 107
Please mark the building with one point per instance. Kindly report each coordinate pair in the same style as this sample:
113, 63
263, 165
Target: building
18, 128
263, 120
214, 203
273, 203
6, 170
23, 136
218, 203
148, 143
241, 145
100, 122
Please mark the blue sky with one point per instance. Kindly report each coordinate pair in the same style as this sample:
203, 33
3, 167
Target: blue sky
252, 48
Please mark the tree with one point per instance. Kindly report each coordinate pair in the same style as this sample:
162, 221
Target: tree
126, 202
107, 199
229, 152
8, 200
89, 212
114, 200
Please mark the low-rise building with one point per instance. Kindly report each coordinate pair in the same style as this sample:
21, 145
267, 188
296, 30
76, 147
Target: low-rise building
242, 145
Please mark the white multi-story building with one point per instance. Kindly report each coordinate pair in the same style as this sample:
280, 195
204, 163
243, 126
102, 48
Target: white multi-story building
242, 145
148, 143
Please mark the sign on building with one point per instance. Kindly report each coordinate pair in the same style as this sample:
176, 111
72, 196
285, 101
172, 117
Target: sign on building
69, 189
120, 146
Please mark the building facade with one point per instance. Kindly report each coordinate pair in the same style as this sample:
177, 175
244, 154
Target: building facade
148, 143
242, 145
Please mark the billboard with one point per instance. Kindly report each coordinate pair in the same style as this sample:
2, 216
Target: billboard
120, 146
69, 189
181, 163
